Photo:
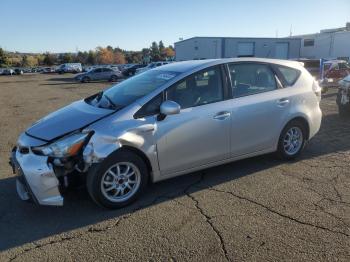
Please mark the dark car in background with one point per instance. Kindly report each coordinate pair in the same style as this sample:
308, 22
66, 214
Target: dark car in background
130, 71
343, 97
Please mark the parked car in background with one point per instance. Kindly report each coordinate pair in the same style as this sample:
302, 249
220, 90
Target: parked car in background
168, 121
47, 70
18, 71
87, 68
97, 74
334, 71
311, 65
150, 66
70, 68
131, 70
343, 97
27, 70
8, 71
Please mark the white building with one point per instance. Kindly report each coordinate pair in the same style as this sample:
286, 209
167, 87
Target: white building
225, 47
328, 44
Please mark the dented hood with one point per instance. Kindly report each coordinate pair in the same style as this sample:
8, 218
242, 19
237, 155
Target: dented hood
67, 119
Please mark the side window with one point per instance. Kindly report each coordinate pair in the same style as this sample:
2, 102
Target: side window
291, 75
150, 108
98, 70
198, 89
342, 66
250, 79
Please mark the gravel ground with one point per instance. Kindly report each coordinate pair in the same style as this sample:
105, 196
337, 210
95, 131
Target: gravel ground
259, 209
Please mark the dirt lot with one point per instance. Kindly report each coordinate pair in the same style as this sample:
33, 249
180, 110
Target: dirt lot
258, 209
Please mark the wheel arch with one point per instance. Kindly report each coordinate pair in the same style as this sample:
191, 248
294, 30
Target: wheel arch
139, 153
304, 121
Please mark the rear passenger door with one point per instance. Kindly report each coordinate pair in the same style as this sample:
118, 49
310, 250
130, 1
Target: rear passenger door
259, 106
106, 73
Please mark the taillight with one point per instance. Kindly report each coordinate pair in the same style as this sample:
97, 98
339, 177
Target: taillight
317, 90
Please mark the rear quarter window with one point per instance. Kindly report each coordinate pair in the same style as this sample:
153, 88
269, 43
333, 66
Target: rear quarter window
289, 74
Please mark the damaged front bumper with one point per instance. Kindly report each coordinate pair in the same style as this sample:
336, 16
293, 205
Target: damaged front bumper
36, 178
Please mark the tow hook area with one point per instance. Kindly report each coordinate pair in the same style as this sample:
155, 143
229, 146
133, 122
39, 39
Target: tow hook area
22, 190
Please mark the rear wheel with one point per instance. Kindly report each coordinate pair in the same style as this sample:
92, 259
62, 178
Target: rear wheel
118, 180
292, 140
114, 78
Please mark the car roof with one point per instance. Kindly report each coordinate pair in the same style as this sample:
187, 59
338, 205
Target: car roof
190, 65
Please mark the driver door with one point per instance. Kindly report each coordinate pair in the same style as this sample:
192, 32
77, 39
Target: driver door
200, 133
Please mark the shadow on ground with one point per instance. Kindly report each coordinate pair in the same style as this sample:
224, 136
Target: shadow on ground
22, 222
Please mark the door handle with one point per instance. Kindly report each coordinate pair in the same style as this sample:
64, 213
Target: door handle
283, 102
222, 115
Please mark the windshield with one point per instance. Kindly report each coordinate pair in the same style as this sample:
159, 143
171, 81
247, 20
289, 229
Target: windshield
138, 86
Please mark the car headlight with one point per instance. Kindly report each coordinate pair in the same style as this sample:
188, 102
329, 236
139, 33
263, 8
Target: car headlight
65, 147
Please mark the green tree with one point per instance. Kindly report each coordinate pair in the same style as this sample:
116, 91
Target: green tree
3, 58
161, 48
91, 58
67, 58
154, 52
24, 61
49, 59
82, 57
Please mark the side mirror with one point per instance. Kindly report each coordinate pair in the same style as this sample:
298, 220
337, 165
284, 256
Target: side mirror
168, 107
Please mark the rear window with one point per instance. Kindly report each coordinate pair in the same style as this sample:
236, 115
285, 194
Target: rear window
290, 75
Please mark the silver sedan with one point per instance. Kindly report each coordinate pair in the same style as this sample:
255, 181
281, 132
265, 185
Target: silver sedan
98, 74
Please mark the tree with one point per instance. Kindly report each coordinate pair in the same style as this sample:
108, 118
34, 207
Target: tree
91, 58
104, 56
154, 52
133, 57
161, 48
169, 53
15, 61
67, 58
49, 59
24, 61
3, 58
119, 58
31, 61
82, 57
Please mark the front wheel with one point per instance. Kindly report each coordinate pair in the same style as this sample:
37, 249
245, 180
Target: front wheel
85, 79
292, 140
118, 180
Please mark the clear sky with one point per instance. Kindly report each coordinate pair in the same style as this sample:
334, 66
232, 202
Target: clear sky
70, 25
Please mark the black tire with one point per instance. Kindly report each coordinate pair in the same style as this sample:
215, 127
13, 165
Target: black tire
85, 79
97, 172
113, 78
281, 151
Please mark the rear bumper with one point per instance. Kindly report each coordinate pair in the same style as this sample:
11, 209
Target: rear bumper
315, 123
36, 179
